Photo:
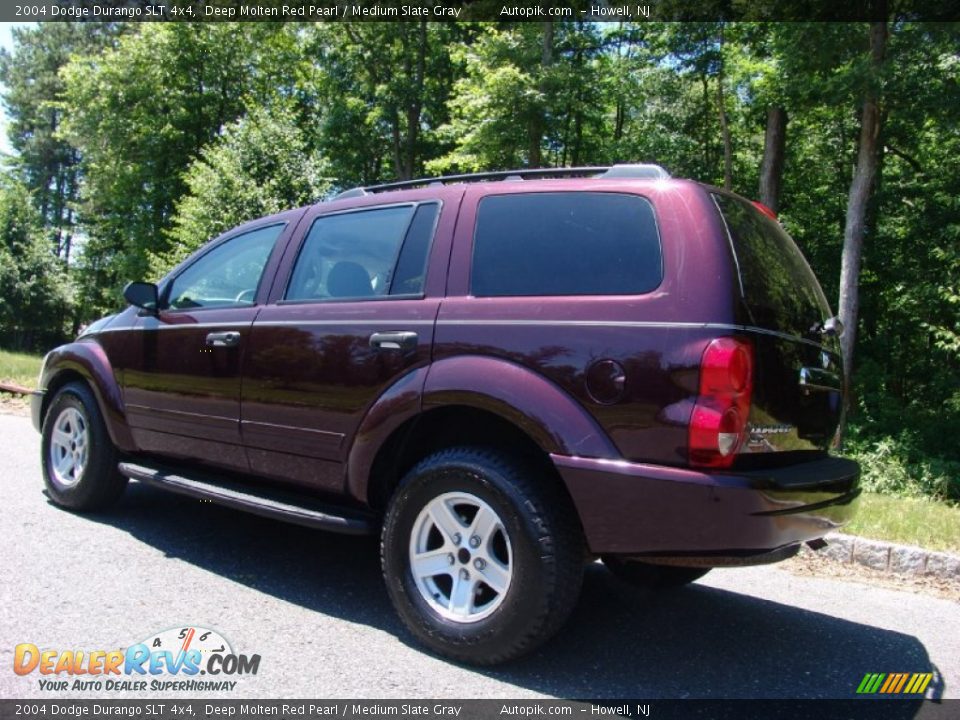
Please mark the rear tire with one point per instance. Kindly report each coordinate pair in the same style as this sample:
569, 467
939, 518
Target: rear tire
79, 460
507, 557
653, 577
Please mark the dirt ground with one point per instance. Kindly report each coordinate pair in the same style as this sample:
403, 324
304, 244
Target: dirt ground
806, 563
14, 404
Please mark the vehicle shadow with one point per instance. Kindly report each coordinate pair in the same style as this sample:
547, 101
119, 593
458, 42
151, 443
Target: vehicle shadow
697, 642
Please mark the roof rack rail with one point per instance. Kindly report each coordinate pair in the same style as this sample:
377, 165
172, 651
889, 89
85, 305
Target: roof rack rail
650, 171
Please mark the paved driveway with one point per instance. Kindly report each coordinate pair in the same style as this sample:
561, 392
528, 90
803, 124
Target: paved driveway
314, 607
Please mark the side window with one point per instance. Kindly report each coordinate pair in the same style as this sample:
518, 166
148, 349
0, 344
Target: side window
228, 275
572, 243
367, 253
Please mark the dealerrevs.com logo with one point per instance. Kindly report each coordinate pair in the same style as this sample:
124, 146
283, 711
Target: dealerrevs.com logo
187, 659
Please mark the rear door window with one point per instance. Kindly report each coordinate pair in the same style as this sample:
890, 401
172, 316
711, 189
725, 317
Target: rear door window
570, 243
779, 289
365, 254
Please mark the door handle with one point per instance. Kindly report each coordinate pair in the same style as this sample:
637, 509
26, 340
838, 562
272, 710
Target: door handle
393, 340
223, 339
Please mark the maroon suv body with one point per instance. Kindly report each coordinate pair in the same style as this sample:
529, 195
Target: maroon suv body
643, 368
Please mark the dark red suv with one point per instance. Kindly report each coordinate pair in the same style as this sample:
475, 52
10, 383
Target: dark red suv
506, 375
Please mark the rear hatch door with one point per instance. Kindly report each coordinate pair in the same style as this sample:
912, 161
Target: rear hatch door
797, 395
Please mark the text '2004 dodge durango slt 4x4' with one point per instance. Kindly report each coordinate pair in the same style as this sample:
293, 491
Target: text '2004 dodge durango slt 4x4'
506, 375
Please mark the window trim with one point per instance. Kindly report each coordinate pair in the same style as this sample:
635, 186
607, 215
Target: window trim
641, 196
415, 205
168, 284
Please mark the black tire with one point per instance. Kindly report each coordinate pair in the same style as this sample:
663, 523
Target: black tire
653, 577
546, 555
98, 483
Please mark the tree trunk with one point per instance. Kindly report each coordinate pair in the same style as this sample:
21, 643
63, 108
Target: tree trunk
536, 122
706, 136
861, 189
771, 169
415, 108
724, 125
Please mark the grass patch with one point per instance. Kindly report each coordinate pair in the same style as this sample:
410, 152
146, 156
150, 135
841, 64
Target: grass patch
911, 521
20, 368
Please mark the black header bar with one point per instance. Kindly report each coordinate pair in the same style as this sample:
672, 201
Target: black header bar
174, 708
477, 10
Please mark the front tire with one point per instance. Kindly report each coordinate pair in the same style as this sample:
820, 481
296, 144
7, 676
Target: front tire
482, 558
653, 577
79, 460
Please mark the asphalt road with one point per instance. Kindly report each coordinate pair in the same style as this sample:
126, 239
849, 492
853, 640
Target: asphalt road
313, 606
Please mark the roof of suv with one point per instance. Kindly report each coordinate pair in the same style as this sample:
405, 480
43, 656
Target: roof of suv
633, 172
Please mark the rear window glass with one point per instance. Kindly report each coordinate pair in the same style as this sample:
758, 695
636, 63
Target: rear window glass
780, 290
573, 243
366, 253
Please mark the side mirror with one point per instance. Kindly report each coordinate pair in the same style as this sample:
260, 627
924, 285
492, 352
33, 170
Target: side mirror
142, 295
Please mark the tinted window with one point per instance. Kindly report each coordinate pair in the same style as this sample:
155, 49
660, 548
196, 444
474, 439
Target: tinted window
355, 255
227, 275
412, 265
779, 289
575, 243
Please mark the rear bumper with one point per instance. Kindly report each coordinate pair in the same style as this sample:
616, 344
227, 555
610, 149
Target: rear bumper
36, 407
650, 510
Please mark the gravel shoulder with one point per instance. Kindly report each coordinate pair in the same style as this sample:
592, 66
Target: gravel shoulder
810, 564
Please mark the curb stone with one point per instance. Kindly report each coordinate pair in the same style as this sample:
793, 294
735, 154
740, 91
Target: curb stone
890, 557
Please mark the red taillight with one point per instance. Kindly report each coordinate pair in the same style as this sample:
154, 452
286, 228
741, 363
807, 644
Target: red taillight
718, 423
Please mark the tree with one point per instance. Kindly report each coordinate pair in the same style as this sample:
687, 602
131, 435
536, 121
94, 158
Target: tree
377, 118
530, 95
47, 164
35, 295
139, 114
861, 189
261, 164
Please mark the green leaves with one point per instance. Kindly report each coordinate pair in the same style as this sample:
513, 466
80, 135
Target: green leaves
139, 114
261, 164
35, 294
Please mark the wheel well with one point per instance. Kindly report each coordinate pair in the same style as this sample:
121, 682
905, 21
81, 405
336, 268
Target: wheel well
60, 379
446, 427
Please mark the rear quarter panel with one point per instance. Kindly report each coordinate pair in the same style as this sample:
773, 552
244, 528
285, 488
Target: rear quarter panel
656, 338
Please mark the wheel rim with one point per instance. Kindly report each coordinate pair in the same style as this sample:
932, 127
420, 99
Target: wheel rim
68, 447
460, 557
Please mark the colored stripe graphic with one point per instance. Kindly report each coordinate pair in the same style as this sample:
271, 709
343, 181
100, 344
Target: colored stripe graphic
870, 683
894, 683
891, 681
914, 682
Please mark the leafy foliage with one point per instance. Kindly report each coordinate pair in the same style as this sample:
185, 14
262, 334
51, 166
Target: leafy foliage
45, 162
260, 165
35, 292
139, 114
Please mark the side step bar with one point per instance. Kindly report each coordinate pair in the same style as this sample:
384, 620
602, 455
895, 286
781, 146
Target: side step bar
278, 505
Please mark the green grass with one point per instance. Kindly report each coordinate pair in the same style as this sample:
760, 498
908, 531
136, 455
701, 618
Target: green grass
20, 368
911, 521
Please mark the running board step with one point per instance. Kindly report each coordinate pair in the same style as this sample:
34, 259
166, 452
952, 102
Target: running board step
270, 503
